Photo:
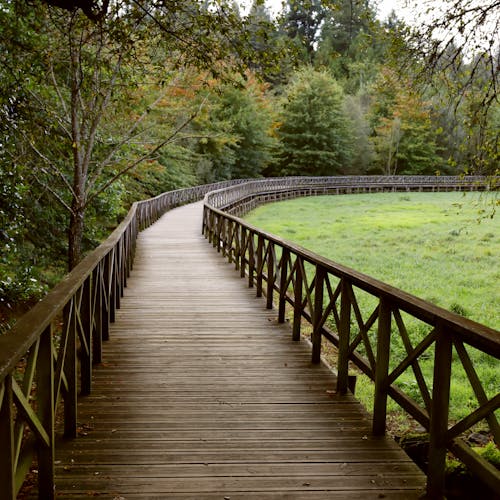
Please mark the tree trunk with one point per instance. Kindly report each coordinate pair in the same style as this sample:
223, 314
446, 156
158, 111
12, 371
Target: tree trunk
75, 237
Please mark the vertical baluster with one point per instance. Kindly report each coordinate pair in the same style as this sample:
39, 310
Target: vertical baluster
213, 224
7, 473
223, 243
236, 240
382, 367
285, 256
117, 273
270, 275
98, 318
344, 338
243, 245
86, 322
317, 313
260, 264
297, 300
220, 228
45, 410
439, 414
134, 243
204, 221
111, 284
126, 251
251, 259
70, 370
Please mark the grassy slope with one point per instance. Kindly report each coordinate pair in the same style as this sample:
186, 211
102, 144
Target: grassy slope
429, 244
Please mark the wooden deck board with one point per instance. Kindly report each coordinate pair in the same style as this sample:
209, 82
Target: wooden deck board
203, 395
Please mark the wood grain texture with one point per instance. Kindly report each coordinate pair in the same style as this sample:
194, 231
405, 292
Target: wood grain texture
203, 395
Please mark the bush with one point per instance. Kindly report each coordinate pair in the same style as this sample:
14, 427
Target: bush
22, 287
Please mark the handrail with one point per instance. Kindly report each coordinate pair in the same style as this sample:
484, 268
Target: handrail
326, 295
43, 363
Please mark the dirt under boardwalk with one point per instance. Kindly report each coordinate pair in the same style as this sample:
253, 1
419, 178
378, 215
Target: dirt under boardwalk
203, 395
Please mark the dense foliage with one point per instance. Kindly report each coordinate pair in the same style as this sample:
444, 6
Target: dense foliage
103, 103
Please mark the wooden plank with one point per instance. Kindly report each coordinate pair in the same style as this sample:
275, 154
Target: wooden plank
202, 394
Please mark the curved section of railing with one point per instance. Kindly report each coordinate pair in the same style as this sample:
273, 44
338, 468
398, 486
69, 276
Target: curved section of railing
243, 197
365, 318
47, 357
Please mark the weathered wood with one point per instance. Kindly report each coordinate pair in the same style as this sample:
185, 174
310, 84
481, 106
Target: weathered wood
111, 262
320, 306
7, 467
46, 408
383, 357
203, 394
439, 413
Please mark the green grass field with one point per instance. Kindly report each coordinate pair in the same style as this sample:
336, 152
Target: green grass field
442, 247
428, 244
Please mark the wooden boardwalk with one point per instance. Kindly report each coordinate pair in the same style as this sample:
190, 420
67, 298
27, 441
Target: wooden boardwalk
203, 395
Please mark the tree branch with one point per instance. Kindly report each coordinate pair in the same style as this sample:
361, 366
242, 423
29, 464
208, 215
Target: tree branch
53, 193
50, 164
126, 138
147, 156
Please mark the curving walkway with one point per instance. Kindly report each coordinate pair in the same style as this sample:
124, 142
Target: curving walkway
203, 395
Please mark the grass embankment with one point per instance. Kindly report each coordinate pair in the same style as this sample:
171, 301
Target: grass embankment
441, 247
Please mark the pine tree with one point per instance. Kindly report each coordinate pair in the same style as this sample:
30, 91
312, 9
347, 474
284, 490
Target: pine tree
314, 131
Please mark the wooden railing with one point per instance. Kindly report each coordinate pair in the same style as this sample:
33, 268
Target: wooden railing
47, 357
365, 318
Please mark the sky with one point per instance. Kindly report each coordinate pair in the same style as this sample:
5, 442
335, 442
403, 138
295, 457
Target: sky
385, 7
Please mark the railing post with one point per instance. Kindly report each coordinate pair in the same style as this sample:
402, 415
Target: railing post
98, 314
344, 338
86, 350
105, 298
211, 226
203, 221
382, 367
7, 473
111, 284
237, 241
317, 313
251, 259
70, 370
297, 301
215, 229
270, 276
221, 237
439, 414
243, 240
229, 240
117, 276
285, 257
46, 408
260, 264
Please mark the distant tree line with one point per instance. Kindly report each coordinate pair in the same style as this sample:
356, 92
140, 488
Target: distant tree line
103, 103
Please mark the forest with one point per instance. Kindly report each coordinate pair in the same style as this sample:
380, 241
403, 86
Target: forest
105, 103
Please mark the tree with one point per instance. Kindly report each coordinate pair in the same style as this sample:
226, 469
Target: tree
362, 147
302, 22
79, 81
265, 37
235, 129
314, 133
352, 44
404, 138
345, 23
454, 46
451, 34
